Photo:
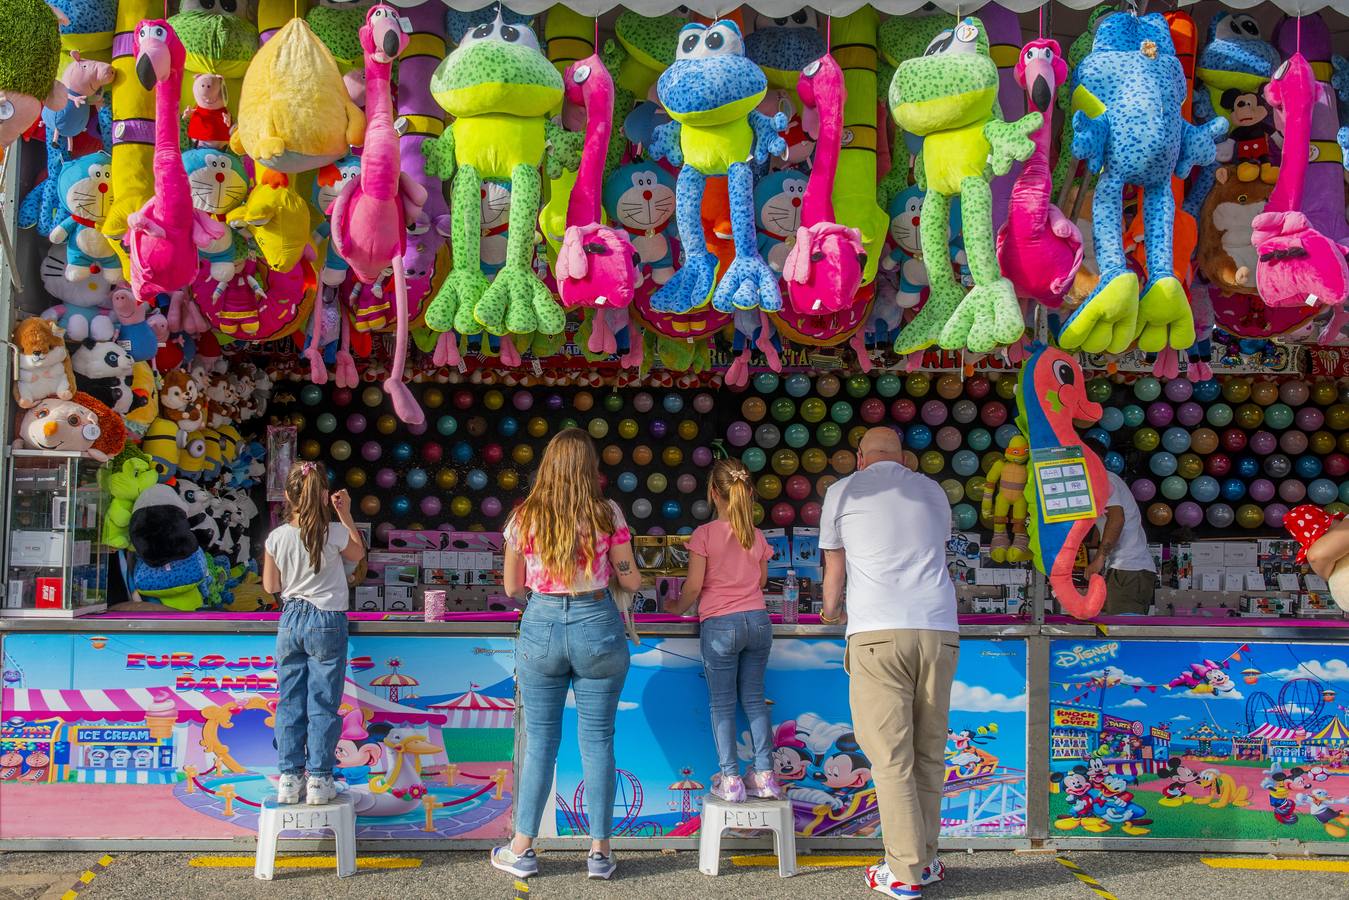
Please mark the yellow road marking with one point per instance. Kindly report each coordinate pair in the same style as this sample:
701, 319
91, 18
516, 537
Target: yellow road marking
1092, 884
813, 860
1278, 865
304, 862
87, 876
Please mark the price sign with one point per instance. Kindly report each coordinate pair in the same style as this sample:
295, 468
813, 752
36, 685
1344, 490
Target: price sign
1062, 484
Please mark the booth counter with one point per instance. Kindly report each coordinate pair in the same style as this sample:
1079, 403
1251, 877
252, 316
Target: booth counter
156, 733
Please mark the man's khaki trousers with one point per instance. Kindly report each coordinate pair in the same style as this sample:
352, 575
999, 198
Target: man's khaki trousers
900, 691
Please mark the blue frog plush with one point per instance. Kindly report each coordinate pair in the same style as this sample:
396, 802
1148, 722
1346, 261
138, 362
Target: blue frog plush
1128, 126
710, 93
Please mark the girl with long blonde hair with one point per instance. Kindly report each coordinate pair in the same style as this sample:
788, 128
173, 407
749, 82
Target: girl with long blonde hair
564, 545
728, 568
303, 565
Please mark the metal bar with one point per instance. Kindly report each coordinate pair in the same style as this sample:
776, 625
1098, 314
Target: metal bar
1037, 738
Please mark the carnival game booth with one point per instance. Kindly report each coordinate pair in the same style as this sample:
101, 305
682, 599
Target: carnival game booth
614, 267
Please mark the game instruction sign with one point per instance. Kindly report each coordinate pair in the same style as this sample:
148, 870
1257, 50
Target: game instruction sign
1063, 484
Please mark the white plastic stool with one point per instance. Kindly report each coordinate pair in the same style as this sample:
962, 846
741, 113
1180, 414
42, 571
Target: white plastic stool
339, 817
774, 815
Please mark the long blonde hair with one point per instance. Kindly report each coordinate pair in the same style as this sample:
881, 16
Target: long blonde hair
565, 514
308, 507
730, 482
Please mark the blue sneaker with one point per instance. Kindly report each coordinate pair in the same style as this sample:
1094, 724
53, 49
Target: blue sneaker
521, 865
599, 866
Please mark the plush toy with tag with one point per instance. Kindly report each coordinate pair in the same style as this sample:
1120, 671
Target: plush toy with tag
30, 52
83, 197
1129, 127
711, 93
949, 98
81, 424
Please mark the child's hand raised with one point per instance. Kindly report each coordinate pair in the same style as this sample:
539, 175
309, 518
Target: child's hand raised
342, 505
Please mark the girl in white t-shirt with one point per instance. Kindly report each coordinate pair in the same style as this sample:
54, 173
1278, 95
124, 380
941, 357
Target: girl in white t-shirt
303, 563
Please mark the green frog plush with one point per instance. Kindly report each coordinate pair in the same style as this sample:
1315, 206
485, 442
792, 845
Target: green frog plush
710, 93
949, 98
500, 90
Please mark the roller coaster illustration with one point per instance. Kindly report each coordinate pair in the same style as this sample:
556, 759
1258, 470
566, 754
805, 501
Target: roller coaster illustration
628, 799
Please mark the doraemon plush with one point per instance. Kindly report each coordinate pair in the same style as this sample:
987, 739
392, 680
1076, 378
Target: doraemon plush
641, 197
219, 184
905, 256
777, 214
709, 93
104, 369
1128, 126
83, 193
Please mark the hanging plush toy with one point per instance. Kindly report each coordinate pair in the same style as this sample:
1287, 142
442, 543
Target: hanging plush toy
1050, 397
500, 89
30, 52
1004, 502
711, 93
370, 216
208, 121
948, 97
641, 197
84, 80
595, 264
1131, 84
164, 236
219, 183
824, 267
1039, 248
1297, 264
782, 47
83, 196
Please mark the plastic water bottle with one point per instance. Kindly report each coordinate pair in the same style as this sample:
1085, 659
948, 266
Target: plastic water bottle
791, 598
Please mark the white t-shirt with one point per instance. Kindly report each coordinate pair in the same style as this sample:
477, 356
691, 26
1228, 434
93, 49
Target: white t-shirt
893, 525
326, 589
1131, 553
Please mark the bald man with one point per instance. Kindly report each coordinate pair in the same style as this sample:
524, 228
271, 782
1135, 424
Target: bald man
883, 531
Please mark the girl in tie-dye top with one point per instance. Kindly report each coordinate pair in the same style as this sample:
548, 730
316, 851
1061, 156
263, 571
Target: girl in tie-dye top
578, 580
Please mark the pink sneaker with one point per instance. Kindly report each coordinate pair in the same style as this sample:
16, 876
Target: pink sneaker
763, 785
728, 787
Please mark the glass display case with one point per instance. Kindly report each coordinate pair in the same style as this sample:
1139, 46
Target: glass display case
55, 566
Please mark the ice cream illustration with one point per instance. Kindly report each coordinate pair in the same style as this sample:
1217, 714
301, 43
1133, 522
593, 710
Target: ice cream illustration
162, 715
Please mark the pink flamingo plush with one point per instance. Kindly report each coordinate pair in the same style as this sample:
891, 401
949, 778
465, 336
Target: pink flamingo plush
164, 235
370, 215
595, 265
823, 270
1039, 248
1296, 263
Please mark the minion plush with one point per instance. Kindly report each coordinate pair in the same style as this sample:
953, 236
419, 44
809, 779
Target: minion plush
192, 458
211, 457
1004, 496
161, 445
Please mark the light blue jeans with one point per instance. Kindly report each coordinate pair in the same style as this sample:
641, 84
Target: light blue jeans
311, 668
575, 643
735, 656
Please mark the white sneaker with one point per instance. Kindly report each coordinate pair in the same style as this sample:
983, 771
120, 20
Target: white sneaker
289, 790
319, 789
934, 872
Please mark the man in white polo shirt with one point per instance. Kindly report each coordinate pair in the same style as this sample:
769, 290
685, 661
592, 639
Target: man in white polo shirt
883, 531
1124, 557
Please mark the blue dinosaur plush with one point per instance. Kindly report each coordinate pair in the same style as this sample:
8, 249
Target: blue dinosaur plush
1236, 63
1128, 127
83, 192
710, 93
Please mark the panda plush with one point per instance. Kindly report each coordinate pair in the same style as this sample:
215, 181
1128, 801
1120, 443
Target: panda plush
170, 566
197, 504
105, 370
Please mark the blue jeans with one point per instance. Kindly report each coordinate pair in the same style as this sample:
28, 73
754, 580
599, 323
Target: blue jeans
311, 668
735, 655
575, 643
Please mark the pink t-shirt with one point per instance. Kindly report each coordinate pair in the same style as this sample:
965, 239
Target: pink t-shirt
731, 584
537, 579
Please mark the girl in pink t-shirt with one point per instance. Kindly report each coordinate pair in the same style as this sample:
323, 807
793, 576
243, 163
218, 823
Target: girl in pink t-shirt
728, 567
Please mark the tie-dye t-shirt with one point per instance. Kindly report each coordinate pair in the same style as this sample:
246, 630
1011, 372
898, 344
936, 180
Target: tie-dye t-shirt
537, 579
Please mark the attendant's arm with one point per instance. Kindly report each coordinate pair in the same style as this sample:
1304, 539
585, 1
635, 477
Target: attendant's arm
513, 573
693, 585
835, 576
625, 566
1114, 525
1328, 550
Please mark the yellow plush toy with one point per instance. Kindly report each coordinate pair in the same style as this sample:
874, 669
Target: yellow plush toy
1004, 497
294, 112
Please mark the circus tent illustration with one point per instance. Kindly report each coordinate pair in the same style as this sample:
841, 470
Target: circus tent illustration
1335, 734
475, 710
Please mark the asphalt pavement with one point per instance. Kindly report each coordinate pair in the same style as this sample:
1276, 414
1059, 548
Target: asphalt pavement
664, 876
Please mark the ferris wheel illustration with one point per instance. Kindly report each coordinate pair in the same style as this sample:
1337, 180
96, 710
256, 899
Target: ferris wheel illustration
1301, 704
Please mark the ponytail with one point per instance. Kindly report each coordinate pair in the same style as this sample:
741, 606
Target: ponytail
307, 503
730, 481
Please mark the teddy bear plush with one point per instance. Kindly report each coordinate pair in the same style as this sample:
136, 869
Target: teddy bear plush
44, 363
